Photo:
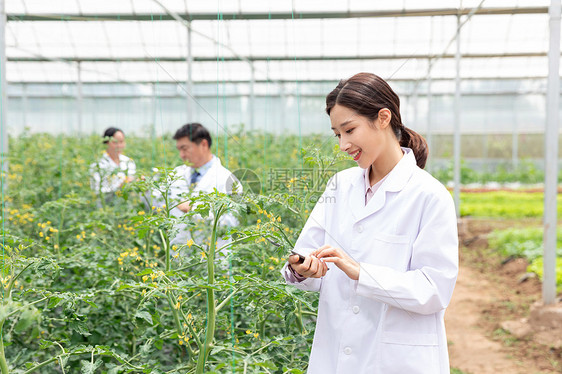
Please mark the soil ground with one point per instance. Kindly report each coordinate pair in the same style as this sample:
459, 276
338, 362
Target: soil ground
489, 291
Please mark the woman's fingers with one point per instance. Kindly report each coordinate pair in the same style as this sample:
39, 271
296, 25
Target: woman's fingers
294, 259
311, 268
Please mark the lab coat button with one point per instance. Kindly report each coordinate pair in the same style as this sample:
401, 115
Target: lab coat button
347, 350
355, 309
359, 228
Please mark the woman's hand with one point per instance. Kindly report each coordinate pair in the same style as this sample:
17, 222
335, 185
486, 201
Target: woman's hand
349, 266
310, 268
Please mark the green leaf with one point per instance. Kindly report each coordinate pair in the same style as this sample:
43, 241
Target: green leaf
145, 272
89, 367
144, 315
27, 318
80, 327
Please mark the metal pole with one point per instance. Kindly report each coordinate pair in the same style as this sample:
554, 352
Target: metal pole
457, 127
3, 98
551, 156
252, 97
79, 97
24, 104
429, 134
283, 108
515, 140
189, 82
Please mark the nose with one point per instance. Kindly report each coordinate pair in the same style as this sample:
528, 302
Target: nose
344, 144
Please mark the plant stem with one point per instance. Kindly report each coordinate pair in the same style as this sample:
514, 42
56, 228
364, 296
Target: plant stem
211, 306
3, 362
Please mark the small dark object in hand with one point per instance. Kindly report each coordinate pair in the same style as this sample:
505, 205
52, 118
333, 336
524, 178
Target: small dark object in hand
301, 257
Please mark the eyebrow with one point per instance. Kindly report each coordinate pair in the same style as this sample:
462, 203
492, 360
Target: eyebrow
343, 124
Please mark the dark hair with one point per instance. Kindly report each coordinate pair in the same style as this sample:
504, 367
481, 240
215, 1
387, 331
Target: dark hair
109, 134
367, 94
195, 132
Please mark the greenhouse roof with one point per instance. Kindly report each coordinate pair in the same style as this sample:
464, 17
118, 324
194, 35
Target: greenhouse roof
299, 40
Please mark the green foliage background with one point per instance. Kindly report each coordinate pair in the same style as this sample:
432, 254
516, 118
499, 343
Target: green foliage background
89, 289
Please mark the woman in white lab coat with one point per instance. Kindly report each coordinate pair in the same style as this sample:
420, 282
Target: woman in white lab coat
113, 169
387, 232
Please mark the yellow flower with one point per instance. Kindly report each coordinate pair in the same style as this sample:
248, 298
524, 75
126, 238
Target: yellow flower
180, 297
47, 237
248, 332
93, 234
180, 342
279, 219
256, 335
143, 292
271, 268
259, 220
145, 278
190, 242
41, 234
56, 246
177, 306
140, 212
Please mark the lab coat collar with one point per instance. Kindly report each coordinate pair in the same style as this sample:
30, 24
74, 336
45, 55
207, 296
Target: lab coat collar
395, 181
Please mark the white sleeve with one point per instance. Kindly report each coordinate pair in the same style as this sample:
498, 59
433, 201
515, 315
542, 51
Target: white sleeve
95, 178
427, 286
131, 168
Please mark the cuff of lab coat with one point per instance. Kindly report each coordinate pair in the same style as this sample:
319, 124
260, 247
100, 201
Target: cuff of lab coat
367, 283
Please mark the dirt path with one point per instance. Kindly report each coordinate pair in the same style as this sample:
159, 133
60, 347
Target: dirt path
469, 348
488, 292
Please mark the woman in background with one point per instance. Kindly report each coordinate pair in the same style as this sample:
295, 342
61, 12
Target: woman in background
113, 169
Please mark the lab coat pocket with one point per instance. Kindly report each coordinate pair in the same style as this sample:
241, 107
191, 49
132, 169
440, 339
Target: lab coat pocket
388, 250
411, 353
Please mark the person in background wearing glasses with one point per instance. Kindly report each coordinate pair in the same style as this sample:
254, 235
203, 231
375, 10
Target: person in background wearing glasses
387, 232
201, 172
113, 169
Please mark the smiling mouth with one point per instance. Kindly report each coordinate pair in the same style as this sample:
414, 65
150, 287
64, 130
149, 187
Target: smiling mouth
356, 155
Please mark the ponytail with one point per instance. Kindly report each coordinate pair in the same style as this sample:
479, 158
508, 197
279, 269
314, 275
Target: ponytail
411, 139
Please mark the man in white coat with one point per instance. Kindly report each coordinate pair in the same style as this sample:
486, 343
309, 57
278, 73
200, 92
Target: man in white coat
204, 173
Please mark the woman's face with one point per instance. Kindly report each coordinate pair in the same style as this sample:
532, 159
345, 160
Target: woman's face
116, 143
364, 140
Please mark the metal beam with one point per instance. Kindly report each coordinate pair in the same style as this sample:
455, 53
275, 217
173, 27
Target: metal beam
229, 16
318, 81
189, 79
457, 123
319, 95
277, 58
3, 103
551, 157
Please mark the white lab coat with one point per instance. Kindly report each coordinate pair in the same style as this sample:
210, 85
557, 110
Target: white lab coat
217, 177
107, 176
405, 239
